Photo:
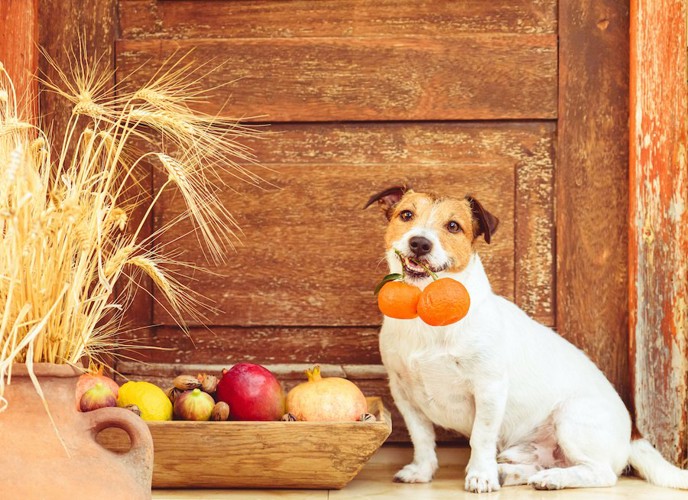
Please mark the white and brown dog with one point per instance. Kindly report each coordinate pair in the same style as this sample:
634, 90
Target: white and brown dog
536, 409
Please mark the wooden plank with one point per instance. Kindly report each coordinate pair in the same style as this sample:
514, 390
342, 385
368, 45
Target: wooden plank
341, 18
371, 157
19, 52
659, 224
61, 29
283, 371
519, 145
68, 28
311, 256
262, 345
358, 79
534, 231
591, 184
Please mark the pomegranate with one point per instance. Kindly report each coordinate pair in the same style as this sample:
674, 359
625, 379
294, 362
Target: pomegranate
89, 380
330, 399
252, 392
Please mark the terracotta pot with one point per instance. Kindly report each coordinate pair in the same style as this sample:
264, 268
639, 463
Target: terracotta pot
35, 464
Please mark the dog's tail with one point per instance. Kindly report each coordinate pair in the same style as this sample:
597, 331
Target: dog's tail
651, 466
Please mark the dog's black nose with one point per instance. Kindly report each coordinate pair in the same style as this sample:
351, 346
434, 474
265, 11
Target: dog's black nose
420, 246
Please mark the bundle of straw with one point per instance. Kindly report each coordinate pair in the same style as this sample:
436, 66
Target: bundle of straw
72, 217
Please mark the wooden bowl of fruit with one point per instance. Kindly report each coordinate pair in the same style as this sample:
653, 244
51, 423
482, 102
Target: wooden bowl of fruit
317, 437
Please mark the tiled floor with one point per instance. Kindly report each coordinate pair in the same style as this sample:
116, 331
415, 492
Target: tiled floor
375, 483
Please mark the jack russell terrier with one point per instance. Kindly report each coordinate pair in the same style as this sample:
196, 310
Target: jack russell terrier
537, 411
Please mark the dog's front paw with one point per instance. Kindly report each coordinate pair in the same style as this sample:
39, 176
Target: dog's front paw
482, 479
415, 473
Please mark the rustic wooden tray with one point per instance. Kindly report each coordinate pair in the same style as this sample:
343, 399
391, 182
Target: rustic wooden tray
316, 455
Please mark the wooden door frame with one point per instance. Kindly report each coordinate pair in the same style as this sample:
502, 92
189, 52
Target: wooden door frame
591, 183
63, 26
592, 170
19, 51
658, 264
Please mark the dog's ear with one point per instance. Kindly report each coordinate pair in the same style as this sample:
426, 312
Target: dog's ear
486, 223
388, 198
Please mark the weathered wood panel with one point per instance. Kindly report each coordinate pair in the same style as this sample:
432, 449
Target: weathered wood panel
311, 256
262, 345
659, 224
313, 225
592, 183
68, 28
534, 231
344, 79
63, 26
342, 18
378, 155
519, 145
19, 52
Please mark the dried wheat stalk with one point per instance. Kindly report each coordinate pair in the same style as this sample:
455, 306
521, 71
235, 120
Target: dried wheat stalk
68, 227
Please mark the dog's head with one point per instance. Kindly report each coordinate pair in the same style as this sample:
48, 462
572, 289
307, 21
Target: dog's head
432, 232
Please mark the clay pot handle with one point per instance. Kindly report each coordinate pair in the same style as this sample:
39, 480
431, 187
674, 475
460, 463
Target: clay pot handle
140, 455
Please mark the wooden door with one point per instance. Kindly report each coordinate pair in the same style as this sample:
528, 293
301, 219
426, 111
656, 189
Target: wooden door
487, 98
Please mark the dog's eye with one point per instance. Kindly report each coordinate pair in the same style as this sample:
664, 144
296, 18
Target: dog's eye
453, 227
406, 215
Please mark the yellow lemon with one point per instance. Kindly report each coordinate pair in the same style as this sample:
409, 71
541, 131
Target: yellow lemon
151, 400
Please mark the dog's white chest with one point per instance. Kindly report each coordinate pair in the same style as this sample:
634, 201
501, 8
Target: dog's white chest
436, 384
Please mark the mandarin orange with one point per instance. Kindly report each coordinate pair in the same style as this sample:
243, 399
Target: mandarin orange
443, 302
398, 300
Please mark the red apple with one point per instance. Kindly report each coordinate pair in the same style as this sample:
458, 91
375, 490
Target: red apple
252, 393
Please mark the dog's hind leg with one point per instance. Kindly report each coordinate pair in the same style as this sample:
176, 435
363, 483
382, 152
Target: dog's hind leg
516, 474
517, 464
589, 475
592, 445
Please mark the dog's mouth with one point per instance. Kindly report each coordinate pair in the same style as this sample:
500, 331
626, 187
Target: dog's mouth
419, 268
